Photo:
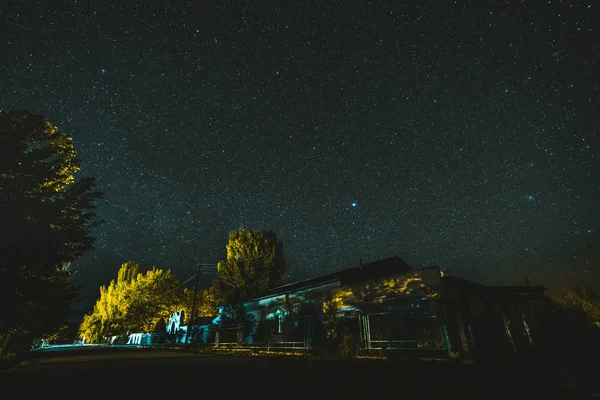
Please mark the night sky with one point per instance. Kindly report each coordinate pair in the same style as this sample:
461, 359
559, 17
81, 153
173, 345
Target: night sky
463, 135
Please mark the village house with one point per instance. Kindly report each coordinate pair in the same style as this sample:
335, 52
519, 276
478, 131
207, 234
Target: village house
388, 305
380, 306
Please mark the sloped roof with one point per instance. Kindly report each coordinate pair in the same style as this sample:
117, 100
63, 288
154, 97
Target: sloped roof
361, 273
464, 284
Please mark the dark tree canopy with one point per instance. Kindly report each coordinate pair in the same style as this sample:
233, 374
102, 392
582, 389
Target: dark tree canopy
46, 217
255, 263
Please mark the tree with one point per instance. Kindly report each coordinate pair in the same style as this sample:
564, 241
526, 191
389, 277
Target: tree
206, 304
46, 218
107, 318
151, 297
584, 299
135, 302
255, 263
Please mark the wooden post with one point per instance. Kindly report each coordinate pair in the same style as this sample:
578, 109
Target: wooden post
191, 322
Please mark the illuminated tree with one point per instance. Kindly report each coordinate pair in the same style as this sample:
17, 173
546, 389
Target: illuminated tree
107, 318
46, 217
135, 302
583, 299
206, 304
255, 263
377, 291
151, 297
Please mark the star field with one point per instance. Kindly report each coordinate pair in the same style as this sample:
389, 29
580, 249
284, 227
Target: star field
462, 134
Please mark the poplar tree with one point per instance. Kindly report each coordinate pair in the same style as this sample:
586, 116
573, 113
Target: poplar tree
133, 303
255, 263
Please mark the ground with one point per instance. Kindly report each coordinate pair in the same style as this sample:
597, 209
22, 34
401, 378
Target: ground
151, 373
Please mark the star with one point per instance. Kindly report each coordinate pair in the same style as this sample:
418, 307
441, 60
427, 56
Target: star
278, 132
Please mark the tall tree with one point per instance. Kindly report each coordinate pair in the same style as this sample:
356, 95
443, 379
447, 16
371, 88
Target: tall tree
255, 263
46, 218
151, 296
134, 302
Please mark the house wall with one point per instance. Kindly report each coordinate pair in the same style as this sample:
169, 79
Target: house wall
416, 310
488, 320
411, 313
285, 315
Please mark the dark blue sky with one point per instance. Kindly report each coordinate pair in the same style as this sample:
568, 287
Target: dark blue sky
466, 134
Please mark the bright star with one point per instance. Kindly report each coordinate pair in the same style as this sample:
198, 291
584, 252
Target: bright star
530, 197
353, 204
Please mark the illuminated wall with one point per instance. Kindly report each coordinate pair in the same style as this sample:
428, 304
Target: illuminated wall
140, 338
175, 321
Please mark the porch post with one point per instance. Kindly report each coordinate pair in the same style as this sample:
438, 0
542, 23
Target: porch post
361, 331
367, 324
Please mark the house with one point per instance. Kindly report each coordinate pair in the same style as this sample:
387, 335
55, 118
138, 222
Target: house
388, 305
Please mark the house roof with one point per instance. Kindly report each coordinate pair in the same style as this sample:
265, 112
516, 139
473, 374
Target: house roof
363, 272
463, 284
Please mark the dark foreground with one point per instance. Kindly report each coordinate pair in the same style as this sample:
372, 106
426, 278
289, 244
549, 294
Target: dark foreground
147, 373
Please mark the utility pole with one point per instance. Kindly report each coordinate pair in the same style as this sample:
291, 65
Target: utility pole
190, 324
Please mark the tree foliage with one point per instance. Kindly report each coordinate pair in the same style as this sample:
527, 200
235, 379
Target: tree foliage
206, 304
582, 298
377, 291
46, 217
134, 302
255, 263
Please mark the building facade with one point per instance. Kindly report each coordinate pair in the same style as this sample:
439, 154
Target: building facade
387, 305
